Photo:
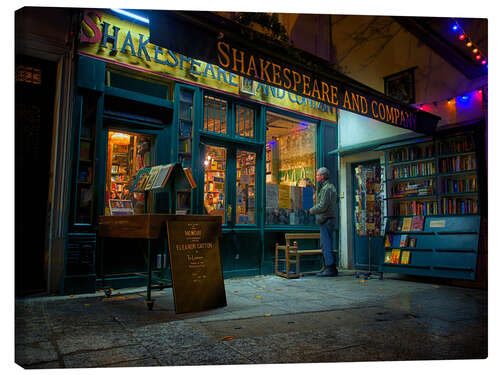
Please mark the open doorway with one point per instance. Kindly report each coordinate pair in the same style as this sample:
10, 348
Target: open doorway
34, 114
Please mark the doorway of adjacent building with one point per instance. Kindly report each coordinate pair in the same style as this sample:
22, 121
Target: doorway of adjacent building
367, 241
34, 113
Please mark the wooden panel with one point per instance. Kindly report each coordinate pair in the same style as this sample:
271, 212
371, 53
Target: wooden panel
145, 226
447, 247
306, 236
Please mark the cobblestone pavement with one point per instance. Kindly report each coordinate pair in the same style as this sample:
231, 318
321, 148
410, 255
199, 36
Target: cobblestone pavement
268, 319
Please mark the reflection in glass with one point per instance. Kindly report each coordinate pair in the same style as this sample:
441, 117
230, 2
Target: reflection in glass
245, 121
215, 114
215, 177
245, 187
290, 170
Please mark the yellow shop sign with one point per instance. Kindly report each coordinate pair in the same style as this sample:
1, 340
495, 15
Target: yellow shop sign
110, 38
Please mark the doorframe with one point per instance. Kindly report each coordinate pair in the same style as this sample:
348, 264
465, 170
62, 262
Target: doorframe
346, 222
353, 228
230, 180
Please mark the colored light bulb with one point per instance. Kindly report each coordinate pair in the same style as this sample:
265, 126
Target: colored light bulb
478, 57
461, 36
454, 27
483, 62
469, 44
475, 50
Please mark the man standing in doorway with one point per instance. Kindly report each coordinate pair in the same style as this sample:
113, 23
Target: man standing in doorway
326, 211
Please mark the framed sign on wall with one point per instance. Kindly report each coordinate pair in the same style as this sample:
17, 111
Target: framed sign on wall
401, 86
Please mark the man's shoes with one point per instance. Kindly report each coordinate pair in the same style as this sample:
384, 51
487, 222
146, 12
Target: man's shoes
329, 272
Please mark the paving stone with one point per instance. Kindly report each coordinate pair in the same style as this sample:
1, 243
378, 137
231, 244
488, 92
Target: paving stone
28, 354
107, 357
44, 365
93, 340
310, 319
211, 354
145, 362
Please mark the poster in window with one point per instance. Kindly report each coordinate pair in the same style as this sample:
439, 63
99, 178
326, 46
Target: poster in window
271, 196
284, 196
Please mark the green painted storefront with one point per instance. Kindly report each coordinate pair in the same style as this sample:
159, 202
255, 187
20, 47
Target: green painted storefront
114, 97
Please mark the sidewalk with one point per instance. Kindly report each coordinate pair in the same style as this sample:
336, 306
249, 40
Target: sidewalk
268, 319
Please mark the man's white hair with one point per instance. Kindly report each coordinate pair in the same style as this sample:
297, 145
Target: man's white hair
324, 172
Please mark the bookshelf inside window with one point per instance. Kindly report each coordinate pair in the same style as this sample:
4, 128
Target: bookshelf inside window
185, 145
86, 157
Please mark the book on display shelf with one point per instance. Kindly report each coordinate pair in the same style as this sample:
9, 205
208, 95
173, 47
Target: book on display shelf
395, 255
162, 176
388, 240
417, 223
403, 241
405, 257
388, 257
406, 224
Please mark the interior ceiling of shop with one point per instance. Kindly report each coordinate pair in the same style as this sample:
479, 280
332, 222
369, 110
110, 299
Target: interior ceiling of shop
279, 125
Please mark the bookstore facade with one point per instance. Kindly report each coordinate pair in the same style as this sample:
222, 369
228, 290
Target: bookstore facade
253, 150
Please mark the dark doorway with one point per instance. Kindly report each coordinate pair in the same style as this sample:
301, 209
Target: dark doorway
367, 243
34, 112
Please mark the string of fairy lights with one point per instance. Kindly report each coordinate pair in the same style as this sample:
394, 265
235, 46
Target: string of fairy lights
478, 55
474, 94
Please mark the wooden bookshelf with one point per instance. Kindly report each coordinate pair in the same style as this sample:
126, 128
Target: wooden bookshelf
444, 172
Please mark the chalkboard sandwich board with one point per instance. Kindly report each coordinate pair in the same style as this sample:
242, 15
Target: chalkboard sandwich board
195, 262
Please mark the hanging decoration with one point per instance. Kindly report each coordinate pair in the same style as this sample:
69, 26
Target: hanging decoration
478, 55
463, 97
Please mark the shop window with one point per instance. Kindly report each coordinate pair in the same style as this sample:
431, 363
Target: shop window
85, 173
128, 153
245, 187
185, 127
290, 170
245, 121
215, 181
138, 84
215, 115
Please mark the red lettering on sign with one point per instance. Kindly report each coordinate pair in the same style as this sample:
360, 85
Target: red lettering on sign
89, 23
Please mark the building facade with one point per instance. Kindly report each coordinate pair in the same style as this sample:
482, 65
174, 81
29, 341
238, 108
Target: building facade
124, 104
